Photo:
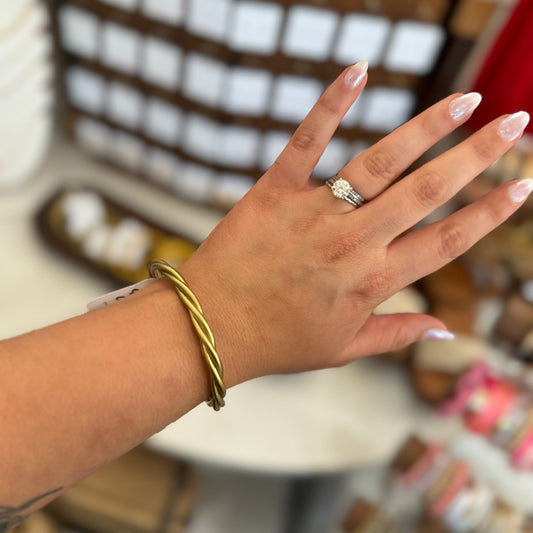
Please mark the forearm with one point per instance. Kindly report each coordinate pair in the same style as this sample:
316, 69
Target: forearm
75, 395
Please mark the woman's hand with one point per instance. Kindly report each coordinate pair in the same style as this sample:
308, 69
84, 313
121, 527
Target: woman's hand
289, 279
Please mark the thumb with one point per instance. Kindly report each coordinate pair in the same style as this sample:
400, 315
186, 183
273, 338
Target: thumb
386, 333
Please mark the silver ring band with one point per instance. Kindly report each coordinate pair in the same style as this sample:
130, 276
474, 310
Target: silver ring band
343, 190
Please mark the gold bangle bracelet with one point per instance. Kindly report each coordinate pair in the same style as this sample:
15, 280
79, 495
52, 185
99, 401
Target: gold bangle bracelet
159, 269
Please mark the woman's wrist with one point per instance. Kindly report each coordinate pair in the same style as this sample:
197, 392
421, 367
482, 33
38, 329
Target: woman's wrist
184, 345
236, 336
177, 341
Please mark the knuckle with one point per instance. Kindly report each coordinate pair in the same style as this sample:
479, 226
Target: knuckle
328, 105
400, 337
452, 241
375, 282
494, 210
431, 189
436, 125
374, 285
304, 139
485, 150
498, 211
380, 164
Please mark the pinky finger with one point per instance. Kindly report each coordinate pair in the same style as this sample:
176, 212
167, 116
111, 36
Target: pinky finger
431, 247
387, 333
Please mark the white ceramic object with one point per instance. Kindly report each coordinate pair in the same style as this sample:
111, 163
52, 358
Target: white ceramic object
26, 93
30, 21
19, 165
11, 12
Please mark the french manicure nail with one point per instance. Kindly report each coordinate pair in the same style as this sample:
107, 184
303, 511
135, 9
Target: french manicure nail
355, 75
520, 190
511, 128
437, 335
464, 106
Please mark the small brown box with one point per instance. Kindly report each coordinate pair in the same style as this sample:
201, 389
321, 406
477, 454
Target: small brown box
471, 17
515, 322
358, 516
141, 492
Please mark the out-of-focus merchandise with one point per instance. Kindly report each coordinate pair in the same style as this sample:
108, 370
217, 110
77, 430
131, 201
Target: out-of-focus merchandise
108, 237
505, 258
451, 295
515, 325
26, 91
200, 96
436, 367
471, 18
498, 409
486, 299
485, 375
141, 492
430, 488
454, 298
425, 481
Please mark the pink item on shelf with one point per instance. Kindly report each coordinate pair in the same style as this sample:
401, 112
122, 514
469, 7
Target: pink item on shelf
475, 378
424, 463
522, 457
461, 477
498, 396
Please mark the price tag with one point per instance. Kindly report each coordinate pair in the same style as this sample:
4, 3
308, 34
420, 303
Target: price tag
118, 295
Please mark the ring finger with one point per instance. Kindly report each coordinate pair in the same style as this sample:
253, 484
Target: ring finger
374, 170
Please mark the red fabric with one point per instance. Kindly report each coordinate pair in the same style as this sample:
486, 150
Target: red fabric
506, 78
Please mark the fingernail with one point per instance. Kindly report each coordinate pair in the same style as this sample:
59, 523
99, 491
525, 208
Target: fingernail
520, 190
512, 127
355, 75
437, 335
464, 106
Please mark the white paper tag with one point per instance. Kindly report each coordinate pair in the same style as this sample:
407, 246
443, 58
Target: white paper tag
118, 295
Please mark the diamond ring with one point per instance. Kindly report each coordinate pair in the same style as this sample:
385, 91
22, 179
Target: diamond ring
343, 190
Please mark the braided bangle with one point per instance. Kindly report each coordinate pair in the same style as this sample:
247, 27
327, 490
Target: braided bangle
159, 269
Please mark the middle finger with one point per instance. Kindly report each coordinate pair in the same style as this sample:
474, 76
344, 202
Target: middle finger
413, 198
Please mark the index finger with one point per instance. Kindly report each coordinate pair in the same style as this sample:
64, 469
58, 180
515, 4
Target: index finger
295, 164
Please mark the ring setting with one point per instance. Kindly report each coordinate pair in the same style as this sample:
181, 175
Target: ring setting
344, 191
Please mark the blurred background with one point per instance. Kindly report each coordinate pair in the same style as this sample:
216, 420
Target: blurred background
130, 127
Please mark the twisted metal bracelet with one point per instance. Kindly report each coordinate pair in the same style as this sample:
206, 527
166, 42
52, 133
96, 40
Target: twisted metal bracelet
159, 269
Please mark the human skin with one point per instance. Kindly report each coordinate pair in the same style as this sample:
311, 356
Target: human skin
287, 281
